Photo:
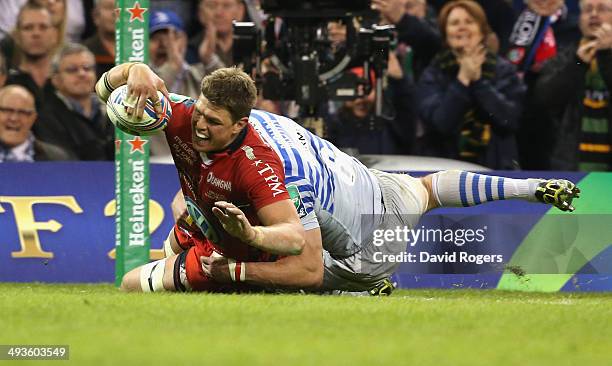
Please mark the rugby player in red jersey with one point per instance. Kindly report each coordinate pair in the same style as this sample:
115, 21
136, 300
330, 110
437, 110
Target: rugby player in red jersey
233, 185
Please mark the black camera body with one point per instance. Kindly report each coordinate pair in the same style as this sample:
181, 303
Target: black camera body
301, 62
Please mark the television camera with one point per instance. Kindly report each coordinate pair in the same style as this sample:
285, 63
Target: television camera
292, 57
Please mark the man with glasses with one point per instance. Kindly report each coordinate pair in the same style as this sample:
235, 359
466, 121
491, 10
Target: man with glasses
73, 117
17, 116
575, 88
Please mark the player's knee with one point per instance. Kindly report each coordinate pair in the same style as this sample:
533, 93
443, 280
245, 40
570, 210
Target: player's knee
130, 281
152, 277
432, 201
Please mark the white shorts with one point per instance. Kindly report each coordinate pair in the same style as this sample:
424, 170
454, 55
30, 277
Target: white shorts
405, 199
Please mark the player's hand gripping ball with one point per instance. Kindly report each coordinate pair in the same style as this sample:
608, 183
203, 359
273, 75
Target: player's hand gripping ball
149, 124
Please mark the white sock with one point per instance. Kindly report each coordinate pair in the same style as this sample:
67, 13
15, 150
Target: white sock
460, 188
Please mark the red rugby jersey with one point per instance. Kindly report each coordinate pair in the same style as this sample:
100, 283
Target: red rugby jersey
248, 174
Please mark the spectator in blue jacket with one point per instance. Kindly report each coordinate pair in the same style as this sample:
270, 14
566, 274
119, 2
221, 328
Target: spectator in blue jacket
470, 100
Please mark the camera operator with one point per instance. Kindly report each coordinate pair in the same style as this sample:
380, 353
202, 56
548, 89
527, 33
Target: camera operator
355, 129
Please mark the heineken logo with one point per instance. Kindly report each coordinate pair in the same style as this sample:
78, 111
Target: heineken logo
136, 12
138, 196
137, 46
294, 195
137, 144
132, 157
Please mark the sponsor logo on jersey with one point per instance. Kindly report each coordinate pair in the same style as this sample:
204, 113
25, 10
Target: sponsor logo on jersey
218, 182
187, 180
266, 171
294, 194
200, 220
249, 152
183, 150
215, 196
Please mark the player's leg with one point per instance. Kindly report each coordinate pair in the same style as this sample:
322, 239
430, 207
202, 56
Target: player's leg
460, 188
170, 273
172, 244
161, 275
180, 239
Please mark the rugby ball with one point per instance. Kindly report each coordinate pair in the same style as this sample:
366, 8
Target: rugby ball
149, 124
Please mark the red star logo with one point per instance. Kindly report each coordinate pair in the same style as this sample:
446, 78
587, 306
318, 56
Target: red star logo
137, 12
137, 144
117, 144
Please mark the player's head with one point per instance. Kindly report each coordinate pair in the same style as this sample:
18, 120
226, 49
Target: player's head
223, 109
17, 115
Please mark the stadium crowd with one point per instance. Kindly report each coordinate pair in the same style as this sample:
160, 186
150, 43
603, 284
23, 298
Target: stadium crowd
504, 84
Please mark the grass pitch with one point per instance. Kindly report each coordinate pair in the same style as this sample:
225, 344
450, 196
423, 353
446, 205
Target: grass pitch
420, 327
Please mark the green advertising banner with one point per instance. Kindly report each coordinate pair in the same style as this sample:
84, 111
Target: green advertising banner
132, 242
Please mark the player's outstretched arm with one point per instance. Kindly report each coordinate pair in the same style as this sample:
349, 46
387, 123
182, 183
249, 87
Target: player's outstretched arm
142, 83
297, 271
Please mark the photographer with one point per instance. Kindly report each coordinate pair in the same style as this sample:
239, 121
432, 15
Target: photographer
355, 127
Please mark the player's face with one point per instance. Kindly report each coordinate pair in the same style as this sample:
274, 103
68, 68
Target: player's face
212, 127
17, 115
462, 30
